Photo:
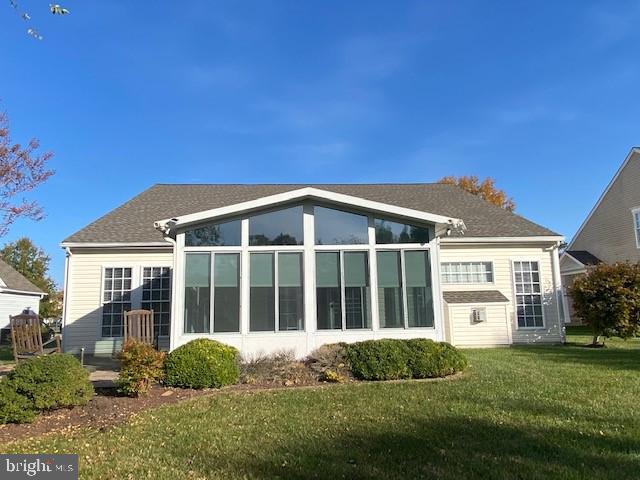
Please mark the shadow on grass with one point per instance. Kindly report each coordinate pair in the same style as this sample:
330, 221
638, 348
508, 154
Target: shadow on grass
606, 358
445, 448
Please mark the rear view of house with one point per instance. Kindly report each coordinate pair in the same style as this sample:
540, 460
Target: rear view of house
611, 231
271, 267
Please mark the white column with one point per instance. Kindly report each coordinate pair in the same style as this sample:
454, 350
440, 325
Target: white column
438, 309
557, 289
373, 276
310, 320
177, 292
244, 280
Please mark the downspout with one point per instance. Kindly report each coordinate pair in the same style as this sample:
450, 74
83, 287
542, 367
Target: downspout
65, 292
557, 280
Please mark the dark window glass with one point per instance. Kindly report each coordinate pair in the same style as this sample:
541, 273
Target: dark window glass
226, 293
214, 234
335, 227
390, 299
394, 232
197, 293
262, 297
116, 300
419, 294
329, 308
156, 296
357, 292
290, 291
528, 294
281, 227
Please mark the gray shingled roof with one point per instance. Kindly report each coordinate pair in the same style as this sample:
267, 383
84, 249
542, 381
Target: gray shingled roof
584, 257
133, 221
14, 280
475, 296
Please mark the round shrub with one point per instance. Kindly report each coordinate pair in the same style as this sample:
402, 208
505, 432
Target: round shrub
202, 363
141, 365
384, 359
14, 408
53, 381
430, 359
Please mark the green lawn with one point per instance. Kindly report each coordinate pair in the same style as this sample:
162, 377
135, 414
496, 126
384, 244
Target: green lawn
526, 412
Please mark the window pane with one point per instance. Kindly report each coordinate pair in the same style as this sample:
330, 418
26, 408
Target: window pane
357, 291
197, 294
290, 291
116, 298
529, 296
226, 295
282, 227
467, 272
390, 304
156, 296
329, 308
394, 232
419, 294
262, 302
335, 227
214, 234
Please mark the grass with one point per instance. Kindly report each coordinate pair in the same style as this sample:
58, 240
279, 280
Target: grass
6, 355
526, 412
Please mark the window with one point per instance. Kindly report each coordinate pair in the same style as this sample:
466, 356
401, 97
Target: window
335, 227
394, 232
214, 234
197, 294
156, 296
116, 299
263, 288
226, 292
343, 290
636, 224
281, 227
467, 272
404, 274
528, 294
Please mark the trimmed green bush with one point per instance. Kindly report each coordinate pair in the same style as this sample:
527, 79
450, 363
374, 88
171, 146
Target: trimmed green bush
430, 359
385, 359
53, 381
140, 366
14, 408
202, 363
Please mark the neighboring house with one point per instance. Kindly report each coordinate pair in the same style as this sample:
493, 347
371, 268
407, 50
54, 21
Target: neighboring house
16, 295
272, 267
611, 231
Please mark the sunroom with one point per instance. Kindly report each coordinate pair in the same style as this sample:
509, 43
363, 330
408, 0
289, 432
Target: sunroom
297, 270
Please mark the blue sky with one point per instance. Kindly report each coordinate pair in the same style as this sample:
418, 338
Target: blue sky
542, 96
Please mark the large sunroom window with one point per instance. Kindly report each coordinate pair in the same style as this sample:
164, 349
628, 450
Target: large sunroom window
280, 227
199, 297
405, 298
336, 227
343, 292
214, 235
388, 231
271, 273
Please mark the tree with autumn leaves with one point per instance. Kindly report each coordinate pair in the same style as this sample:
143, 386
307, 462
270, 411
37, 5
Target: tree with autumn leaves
485, 189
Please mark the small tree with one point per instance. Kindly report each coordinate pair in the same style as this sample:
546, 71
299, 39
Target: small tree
486, 190
607, 298
33, 263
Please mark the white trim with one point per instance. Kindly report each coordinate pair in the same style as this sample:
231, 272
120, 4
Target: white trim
23, 292
634, 150
515, 293
490, 240
493, 272
635, 214
571, 257
163, 244
466, 304
302, 194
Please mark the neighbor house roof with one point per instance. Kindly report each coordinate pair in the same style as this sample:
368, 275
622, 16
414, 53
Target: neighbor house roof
133, 222
475, 296
13, 280
584, 257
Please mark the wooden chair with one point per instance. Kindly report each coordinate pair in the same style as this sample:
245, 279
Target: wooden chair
138, 324
26, 337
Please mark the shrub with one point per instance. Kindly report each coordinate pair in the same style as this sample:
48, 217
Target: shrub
607, 298
53, 381
140, 366
202, 363
279, 368
14, 408
384, 359
329, 362
430, 359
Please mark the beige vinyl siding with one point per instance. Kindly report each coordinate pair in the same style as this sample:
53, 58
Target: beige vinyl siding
503, 257
609, 233
465, 333
83, 315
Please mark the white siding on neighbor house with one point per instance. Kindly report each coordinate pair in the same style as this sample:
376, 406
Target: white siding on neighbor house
14, 304
503, 257
83, 313
609, 233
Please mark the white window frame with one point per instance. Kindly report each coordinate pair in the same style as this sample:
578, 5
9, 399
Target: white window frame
635, 215
151, 301
493, 272
102, 302
515, 294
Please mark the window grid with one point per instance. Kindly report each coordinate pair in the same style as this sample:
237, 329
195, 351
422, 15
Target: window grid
636, 221
528, 294
156, 296
116, 299
467, 272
